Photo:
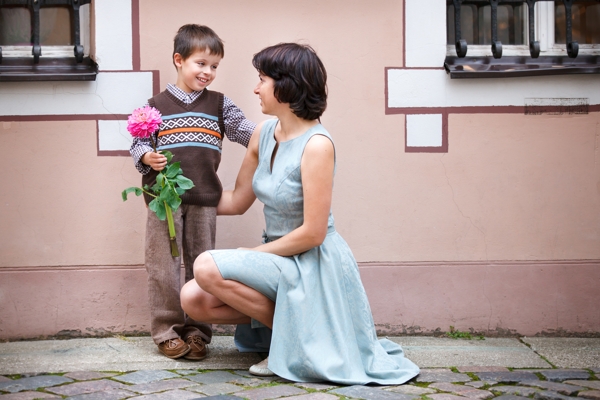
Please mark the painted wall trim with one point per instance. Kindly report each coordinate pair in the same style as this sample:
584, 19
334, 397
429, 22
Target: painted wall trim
111, 93
497, 298
424, 33
114, 35
410, 88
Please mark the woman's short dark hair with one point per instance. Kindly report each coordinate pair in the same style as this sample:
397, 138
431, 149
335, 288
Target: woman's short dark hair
299, 75
192, 37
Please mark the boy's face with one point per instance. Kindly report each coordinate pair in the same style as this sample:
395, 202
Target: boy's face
197, 71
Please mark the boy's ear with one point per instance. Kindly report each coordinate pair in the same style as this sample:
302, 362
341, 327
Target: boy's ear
177, 60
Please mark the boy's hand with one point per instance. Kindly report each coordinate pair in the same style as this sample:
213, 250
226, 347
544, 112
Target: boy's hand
155, 160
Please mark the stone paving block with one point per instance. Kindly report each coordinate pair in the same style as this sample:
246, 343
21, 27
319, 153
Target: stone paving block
213, 377
562, 388
510, 397
161, 386
587, 384
410, 390
77, 388
559, 375
315, 396
590, 394
32, 383
462, 390
478, 384
216, 388
221, 397
275, 378
475, 368
271, 392
88, 375
317, 386
445, 396
28, 396
442, 376
186, 371
549, 395
145, 376
115, 394
171, 395
4, 379
515, 390
248, 381
507, 377
371, 393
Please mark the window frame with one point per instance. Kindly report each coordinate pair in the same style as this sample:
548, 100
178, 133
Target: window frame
56, 63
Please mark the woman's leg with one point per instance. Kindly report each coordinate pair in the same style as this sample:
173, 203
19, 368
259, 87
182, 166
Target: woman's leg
205, 307
234, 294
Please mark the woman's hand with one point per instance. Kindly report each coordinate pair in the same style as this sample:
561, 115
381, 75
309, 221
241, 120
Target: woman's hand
155, 160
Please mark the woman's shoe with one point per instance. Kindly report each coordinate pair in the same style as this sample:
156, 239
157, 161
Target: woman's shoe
261, 369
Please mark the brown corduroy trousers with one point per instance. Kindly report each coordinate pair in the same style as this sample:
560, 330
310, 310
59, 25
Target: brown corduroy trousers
195, 227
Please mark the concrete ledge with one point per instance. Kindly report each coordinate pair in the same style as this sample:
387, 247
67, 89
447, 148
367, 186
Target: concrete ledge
139, 353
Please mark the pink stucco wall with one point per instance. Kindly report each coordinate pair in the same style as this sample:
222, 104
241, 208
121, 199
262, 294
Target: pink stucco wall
501, 234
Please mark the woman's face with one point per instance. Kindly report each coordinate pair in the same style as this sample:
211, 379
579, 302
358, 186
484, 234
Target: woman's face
265, 91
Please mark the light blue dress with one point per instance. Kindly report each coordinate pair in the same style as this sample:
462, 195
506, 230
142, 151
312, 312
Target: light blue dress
323, 329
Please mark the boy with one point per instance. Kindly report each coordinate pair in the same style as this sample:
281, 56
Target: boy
194, 121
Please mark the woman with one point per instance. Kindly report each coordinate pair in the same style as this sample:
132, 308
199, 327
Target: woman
303, 281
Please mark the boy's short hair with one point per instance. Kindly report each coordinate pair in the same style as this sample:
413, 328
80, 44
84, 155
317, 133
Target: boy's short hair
192, 37
299, 75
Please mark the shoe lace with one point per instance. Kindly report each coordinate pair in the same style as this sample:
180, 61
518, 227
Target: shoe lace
170, 343
196, 339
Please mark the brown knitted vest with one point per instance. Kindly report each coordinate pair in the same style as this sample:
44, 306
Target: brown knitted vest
194, 134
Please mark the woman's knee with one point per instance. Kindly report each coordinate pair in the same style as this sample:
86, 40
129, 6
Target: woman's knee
189, 298
205, 271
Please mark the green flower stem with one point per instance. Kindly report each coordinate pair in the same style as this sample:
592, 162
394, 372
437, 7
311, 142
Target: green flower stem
172, 239
148, 193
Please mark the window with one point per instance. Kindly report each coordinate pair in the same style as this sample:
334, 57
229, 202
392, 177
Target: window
45, 40
543, 31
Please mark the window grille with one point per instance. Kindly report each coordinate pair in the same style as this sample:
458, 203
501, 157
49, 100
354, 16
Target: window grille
534, 46
518, 22
51, 68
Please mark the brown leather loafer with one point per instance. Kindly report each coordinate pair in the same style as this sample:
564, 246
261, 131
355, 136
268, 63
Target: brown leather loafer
174, 348
199, 350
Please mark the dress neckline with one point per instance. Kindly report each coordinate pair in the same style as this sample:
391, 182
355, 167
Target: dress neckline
291, 140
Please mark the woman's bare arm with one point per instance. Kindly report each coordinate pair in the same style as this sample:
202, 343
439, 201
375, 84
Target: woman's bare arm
239, 200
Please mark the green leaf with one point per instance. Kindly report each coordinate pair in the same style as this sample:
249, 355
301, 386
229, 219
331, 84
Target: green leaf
156, 188
173, 170
158, 207
167, 154
125, 192
180, 191
160, 178
184, 182
174, 203
171, 197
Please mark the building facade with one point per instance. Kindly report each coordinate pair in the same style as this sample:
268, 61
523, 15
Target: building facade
470, 202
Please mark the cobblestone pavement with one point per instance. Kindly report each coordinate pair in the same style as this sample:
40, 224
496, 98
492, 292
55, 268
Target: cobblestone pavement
458, 383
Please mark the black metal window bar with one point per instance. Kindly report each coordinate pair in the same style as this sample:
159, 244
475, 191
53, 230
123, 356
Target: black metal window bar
34, 7
534, 45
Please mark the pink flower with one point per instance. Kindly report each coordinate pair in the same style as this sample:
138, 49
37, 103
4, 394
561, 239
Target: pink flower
143, 122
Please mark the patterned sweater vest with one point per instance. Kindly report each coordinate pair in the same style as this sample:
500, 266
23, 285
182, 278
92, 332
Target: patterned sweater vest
194, 134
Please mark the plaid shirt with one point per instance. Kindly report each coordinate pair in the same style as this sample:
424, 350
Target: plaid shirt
237, 127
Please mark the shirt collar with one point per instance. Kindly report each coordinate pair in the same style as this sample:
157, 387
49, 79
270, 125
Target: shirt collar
187, 98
